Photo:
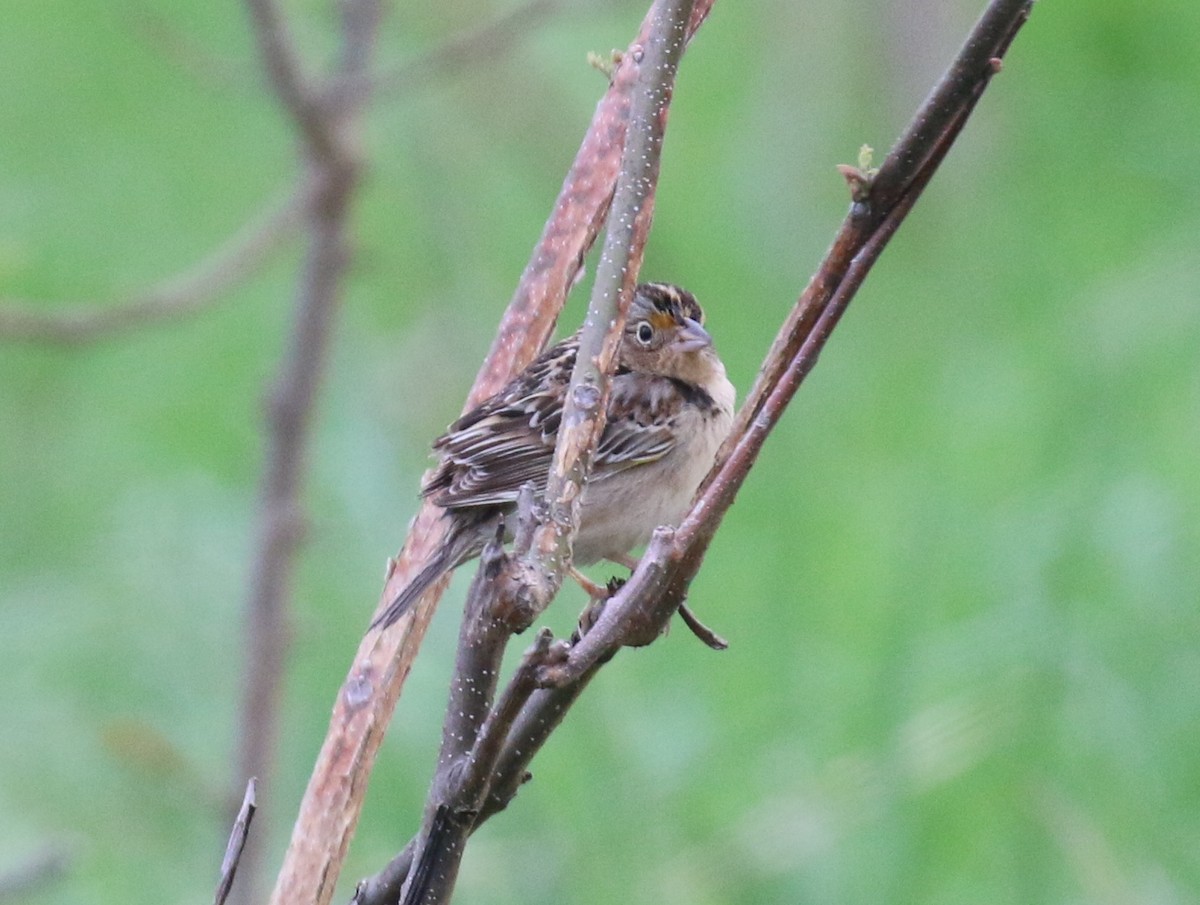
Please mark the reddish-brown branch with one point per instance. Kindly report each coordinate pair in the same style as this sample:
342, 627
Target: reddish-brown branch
579, 212
638, 612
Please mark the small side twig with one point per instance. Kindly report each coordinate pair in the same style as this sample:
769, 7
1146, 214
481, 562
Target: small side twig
237, 842
291, 85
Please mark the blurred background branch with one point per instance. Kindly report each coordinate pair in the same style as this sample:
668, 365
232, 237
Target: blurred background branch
190, 292
34, 874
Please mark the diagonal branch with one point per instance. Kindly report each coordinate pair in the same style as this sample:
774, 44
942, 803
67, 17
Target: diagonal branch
237, 842
181, 295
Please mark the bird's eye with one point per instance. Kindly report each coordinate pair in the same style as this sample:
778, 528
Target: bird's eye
645, 333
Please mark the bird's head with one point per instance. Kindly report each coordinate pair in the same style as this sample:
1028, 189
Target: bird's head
665, 335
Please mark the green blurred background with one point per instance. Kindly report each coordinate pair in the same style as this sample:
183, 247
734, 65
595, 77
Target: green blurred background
960, 588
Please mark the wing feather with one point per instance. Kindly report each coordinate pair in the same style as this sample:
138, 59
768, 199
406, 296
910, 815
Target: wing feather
508, 440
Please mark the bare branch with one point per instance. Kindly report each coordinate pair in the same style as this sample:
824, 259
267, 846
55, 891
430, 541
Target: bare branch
237, 842
187, 293
660, 582
282, 64
637, 613
504, 584
579, 211
328, 123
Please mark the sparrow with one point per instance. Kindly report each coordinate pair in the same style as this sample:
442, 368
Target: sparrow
669, 409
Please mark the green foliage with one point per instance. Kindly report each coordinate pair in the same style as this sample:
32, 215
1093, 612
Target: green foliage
960, 587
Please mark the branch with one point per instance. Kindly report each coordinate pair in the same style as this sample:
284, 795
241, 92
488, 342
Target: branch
327, 122
282, 64
579, 211
639, 611
187, 293
332, 802
509, 592
35, 874
616, 275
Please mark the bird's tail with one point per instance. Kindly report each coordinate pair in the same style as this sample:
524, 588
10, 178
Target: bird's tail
464, 540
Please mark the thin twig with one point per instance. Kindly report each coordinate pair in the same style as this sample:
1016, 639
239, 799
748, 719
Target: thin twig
480, 45
332, 802
281, 61
237, 841
659, 583
190, 292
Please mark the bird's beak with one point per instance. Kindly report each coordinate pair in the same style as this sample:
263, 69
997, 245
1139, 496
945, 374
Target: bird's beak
692, 337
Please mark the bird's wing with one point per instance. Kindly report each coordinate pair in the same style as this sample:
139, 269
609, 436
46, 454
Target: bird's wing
632, 436
508, 440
